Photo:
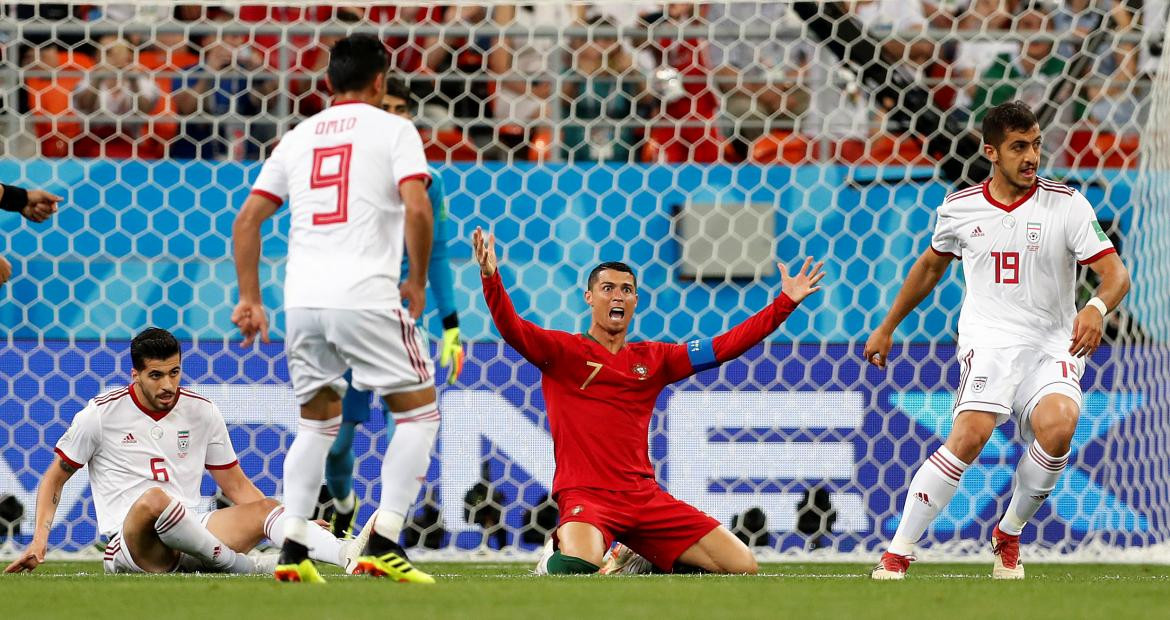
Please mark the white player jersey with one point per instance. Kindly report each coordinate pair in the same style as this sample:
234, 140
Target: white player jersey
339, 171
1019, 262
130, 449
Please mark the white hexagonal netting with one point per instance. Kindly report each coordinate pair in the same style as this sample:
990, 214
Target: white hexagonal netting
700, 143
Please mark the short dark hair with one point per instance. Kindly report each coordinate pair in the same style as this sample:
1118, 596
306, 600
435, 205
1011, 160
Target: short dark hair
1013, 115
153, 343
356, 61
609, 266
395, 87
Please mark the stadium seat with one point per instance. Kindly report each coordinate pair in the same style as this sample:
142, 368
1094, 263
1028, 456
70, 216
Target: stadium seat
784, 147
448, 145
49, 101
881, 149
1088, 148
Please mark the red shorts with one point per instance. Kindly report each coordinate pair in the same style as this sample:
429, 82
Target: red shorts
649, 520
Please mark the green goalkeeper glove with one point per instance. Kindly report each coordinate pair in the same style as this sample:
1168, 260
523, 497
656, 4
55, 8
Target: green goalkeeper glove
452, 354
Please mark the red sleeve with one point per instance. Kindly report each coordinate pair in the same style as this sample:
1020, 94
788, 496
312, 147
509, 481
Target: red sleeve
537, 345
699, 355
748, 334
68, 461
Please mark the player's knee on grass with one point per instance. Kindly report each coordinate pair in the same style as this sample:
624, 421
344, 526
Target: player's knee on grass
741, 562
1054, 421
561, 564
581, 540
721, 552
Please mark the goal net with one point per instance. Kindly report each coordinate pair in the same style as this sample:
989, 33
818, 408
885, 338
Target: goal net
700, 143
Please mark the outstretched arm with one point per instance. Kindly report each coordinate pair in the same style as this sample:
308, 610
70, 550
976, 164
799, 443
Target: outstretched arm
537, 345
48, 497
709, 353
923, 277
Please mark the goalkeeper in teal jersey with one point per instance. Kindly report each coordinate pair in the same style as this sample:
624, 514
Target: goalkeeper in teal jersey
355, 407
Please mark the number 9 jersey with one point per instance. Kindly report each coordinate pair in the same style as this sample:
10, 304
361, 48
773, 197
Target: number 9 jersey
340, 171
1019, 262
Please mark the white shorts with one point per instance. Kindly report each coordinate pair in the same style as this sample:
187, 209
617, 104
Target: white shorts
383, 348
117, 559
1009, 382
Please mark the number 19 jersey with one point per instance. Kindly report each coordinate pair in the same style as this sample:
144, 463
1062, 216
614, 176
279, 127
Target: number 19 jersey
1019, 262
340, 171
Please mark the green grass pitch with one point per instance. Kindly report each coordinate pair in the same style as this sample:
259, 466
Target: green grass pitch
78, 590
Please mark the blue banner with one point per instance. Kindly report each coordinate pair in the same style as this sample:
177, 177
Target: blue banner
754, 433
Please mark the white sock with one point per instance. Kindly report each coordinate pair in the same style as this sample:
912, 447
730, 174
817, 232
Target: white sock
1036, 476
404, 468
183, 532
930, 491
344, 504
321, 543
304, 469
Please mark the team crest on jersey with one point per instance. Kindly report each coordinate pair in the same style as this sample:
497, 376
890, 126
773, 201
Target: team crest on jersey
184, 443
1033, 236
979, 384
641, 370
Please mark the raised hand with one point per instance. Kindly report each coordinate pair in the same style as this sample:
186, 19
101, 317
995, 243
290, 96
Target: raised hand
485, 251
804, 283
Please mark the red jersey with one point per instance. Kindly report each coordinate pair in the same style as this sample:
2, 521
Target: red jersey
600, 403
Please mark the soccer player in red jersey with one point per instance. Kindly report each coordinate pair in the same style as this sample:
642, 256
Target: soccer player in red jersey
601, 391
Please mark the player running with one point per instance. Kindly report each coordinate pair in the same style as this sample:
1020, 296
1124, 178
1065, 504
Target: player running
1019, 237
355, 407
355, 178
601, 391
147, 446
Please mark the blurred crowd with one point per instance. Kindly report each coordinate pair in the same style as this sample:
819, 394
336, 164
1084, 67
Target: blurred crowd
636, 81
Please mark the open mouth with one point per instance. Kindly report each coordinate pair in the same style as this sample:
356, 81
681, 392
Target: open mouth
1028, 172
617, 313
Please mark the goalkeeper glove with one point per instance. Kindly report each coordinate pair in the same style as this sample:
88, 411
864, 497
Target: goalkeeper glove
452, 354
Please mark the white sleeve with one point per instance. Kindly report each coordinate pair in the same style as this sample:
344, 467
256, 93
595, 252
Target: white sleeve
81, 441
272, 182
410, 161
220, 453
1083, 234
944, 241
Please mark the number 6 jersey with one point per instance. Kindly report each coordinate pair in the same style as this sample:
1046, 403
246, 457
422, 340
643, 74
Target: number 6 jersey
130, 449
1019, 262
339, 171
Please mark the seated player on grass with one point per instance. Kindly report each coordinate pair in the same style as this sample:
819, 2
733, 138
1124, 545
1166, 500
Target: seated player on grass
147, 445
601, 391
